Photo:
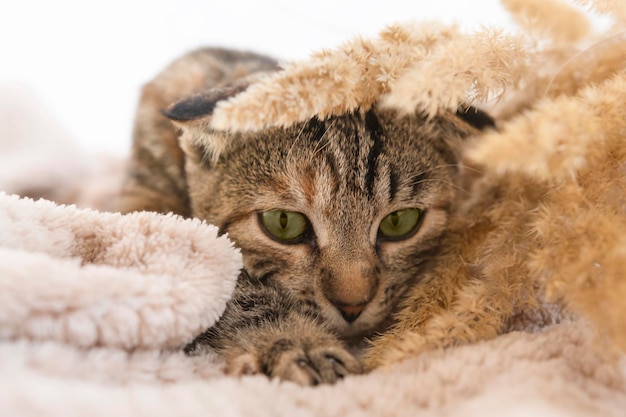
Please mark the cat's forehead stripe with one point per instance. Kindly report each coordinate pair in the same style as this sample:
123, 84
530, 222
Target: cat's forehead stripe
375, 131
352, 149
393, 184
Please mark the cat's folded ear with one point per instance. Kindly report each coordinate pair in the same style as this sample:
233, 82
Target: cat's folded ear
193, 116
476, 118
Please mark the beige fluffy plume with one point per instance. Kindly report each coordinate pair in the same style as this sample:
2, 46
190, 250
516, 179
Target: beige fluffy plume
433, 66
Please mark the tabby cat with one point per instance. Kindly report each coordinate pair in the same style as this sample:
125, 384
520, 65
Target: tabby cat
336, 219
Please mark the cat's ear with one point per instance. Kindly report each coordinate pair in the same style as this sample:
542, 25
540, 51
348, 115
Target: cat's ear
193, 116
476, 118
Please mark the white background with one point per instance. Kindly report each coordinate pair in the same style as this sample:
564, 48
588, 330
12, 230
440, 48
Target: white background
86, 61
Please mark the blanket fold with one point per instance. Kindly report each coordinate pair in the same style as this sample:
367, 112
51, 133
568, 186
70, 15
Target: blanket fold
99, 279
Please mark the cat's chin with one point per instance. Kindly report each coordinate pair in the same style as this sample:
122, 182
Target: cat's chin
363, 327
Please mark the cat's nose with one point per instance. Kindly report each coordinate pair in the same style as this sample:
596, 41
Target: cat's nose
349, 312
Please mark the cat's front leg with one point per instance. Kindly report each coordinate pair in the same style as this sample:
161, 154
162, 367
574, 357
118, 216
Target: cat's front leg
263, 331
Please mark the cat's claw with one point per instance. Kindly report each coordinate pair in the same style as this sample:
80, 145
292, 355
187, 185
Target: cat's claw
322, 365
307, 367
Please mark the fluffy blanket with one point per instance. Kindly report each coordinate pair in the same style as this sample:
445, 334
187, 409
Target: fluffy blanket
95, 307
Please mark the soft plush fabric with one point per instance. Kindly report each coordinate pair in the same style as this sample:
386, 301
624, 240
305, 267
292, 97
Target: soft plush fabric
94, 308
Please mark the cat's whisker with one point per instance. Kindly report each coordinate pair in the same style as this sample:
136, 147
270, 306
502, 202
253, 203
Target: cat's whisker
445, 182
318, 149
295, 141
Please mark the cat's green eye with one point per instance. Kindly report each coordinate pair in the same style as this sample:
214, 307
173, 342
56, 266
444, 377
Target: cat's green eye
400, 224
285, 226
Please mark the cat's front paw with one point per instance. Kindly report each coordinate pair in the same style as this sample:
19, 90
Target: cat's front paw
302, 363
321, 364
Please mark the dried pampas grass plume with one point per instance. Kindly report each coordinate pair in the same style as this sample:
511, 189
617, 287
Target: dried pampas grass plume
614, 8
539, 16
554, 140
466, 70
430, 67
336, 81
